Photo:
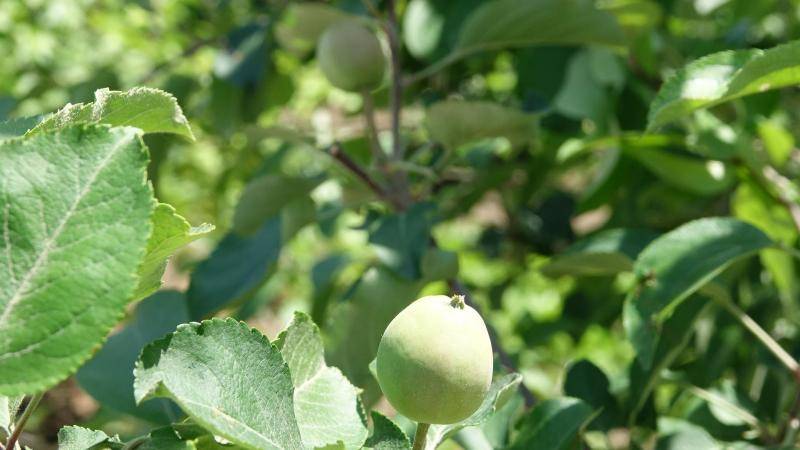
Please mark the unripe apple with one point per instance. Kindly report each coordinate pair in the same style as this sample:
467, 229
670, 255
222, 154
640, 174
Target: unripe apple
434, 360
351, 57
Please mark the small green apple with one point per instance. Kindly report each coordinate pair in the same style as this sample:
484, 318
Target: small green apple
434, 360
351, 57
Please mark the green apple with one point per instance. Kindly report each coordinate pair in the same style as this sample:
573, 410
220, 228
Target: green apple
351, 57
434, 360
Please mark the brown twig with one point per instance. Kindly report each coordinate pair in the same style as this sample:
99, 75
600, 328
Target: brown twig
338, 154
504, 357
20, 424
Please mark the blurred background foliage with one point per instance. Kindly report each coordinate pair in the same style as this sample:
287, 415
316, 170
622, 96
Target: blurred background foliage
557, 156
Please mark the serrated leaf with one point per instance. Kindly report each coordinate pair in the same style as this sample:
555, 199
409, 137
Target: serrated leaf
108, 376
326, 404
553, 425
170, 232
17, 127
510, 23
608, 252
679, 263
386, 435
500, 392
457, 122
722, 77
75, 212
150, 110
401, 240
228, 378
79, 438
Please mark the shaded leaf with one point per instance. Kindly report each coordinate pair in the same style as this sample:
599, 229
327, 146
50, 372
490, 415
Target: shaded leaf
150, 110
17, 127
457, 122
722, 77
606, 253
75, 211
509, 23
589, 383
679, 263
265, 196
401, 240
553, 425
696, 176
228, 378
108, 376
326, 404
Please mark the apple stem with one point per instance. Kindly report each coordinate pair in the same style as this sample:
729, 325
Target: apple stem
457, 301
421, 435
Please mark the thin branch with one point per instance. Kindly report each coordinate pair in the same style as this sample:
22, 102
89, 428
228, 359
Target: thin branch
421, 436
20, 424
372, 130
505, 358
338, 154
397, 84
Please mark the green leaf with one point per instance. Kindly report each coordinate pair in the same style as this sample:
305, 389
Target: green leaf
401, 240
500, 392
326, 404
236, 267
722, 77
679, 263
589, 383
17, 127
686, 436
357, 324
457, 122
75, 212
171, 438
108, 376
303, 23
170, 232
265, 196
150, 110
509, 23
78, 438
386, 435
671, 340
693, 175
228, 378
553, 425
608, 252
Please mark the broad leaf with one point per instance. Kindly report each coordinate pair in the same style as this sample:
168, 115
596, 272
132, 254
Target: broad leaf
150, 110
228, 378
236, 267
553, 425
170, 232
108, 376
386, 435
325, 403
78, 438
303, 23
454, 123
401, 240
724, 76
693, 175
589, 383
510, 23
265, 196
500, 392
358, 324
679, 263
75, 210
605, 253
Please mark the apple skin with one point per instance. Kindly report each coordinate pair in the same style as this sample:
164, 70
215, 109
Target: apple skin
435, 360
351, 57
